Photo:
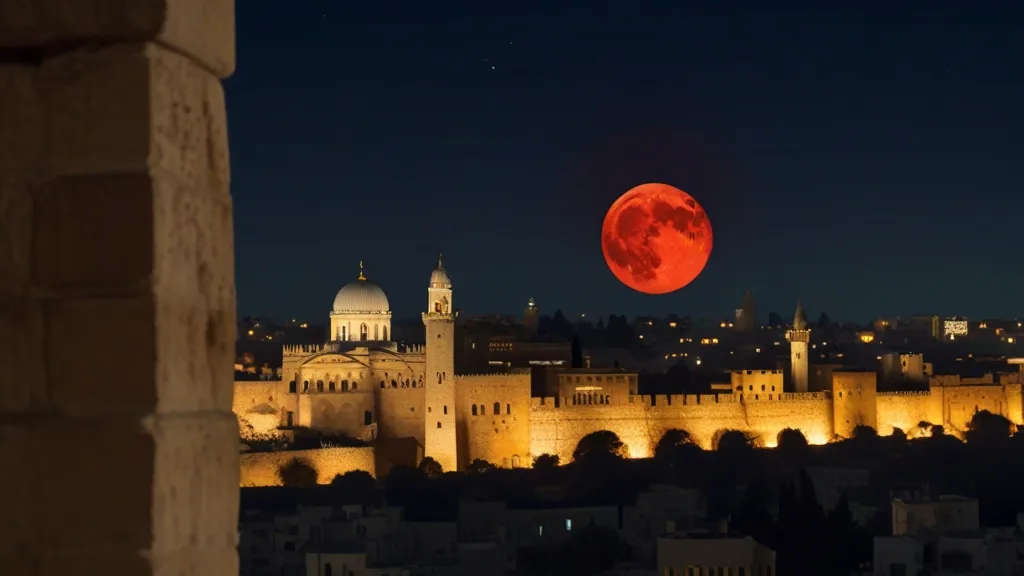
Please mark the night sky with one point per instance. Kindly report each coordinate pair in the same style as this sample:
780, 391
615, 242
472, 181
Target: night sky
866, 160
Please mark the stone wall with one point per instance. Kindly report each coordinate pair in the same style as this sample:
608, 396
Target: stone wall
642, 421
261, 468
400, 412
117, 296
493, 413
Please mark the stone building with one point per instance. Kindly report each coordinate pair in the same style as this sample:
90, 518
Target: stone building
363, 386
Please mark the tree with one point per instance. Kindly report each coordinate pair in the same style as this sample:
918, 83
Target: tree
988, 430
545, 462
864, 433
733, 442
824, 322
355, 487
297, 473
577, 353
674, 442
478, 466
430, 467
405, 485
774, 319
598, 444
792, 441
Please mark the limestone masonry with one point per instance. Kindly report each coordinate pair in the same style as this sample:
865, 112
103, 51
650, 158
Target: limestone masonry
371, 388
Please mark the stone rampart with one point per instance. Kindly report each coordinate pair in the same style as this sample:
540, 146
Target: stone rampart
261, 468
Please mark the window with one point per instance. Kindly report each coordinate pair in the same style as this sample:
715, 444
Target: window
444, 409
497, 408
290, 419
474, 409
319, 385
438, 425
292, 387
330, 386
344, 385
568, 524
508, 409
328, 571
367, 418
305, 385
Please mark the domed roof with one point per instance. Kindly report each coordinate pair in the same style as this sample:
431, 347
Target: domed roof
361, 296
439, 277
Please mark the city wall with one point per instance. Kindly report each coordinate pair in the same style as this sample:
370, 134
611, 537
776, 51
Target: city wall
493, 418
642, 421
261, 468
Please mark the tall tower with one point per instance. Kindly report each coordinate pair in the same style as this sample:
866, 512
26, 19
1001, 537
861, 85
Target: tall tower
531, 317
439, 378
798, 338
746, 314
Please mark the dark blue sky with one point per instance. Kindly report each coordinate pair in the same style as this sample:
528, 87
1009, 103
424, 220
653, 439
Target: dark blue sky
866, 160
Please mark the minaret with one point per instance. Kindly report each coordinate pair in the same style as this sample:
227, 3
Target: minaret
439, 436
531, 317
798, 338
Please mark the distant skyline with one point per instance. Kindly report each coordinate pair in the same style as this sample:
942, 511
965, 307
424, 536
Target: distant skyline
865, 159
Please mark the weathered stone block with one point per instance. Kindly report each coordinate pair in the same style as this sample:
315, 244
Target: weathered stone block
22, 355
101, 355
16, 484
21, 123
102, 471
136, 108
165, 253
203, 29
94, 234
15, 236
195, 485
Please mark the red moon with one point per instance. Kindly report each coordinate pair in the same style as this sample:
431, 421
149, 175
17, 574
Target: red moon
656, 238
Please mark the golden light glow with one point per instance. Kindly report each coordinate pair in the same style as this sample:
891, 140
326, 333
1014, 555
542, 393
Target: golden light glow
757, 350
1010, 340
722, 325
251, 332
866, 337
671, 324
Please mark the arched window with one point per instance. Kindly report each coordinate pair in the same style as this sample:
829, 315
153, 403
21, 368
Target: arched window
438, 425
305, 385
319, 385
355, 385
508, 409
291, 387
343, 336
330, 386
438, 377
474, 409
382, 385
385, 333
363, 332
367, 418
497, 408
393, 383
515, 460
344, 385
482, 411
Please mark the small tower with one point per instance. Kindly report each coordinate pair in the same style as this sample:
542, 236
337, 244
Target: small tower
439, 379
531, 317
798, 338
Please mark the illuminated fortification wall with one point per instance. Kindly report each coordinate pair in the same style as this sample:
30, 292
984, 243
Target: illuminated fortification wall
499, 422
261, 468
493, 419
642, 420
400, 412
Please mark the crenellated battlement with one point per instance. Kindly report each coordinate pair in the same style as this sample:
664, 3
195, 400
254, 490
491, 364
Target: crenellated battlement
495, 376
414, 349
906, 393
310, 349
753, 372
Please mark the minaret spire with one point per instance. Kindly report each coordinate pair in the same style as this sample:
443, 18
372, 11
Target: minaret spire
361, 276
439, 257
